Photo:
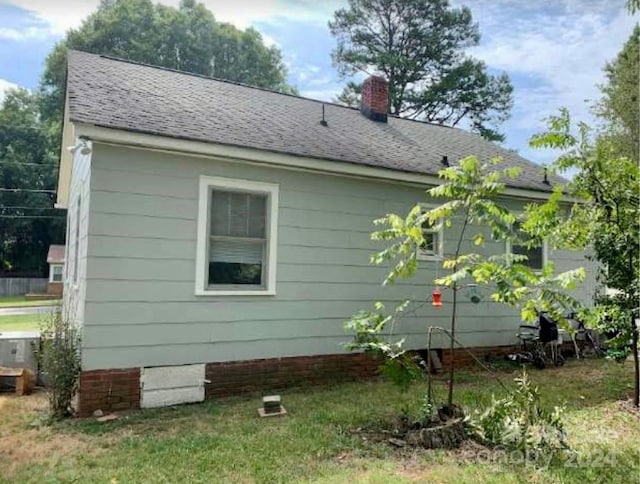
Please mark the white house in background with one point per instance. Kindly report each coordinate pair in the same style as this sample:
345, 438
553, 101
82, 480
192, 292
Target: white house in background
219, 234
55, 259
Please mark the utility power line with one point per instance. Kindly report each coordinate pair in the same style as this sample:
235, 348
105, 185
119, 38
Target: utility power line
26, 164
30, 208
32, 216
31, 190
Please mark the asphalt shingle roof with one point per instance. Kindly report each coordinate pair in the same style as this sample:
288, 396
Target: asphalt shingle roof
120, 94
55, 254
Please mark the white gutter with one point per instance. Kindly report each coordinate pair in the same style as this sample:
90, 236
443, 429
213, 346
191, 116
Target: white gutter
255, 156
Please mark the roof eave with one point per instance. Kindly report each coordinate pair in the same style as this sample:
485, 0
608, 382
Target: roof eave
137, 139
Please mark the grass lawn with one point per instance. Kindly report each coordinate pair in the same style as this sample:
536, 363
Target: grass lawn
225, 441
21, 322
22, 301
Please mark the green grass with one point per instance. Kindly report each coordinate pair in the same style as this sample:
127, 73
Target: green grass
20, 322
23, 301
225, 441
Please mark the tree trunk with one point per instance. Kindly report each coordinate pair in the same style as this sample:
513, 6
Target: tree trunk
451, 346
634, 335
636, 364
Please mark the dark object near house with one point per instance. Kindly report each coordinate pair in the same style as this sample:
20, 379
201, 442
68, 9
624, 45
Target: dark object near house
536, 340
548, 328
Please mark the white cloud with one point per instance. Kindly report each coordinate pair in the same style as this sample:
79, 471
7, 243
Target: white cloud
29, 33
559, 54
4, 86
56, 16
60, 15
321, 94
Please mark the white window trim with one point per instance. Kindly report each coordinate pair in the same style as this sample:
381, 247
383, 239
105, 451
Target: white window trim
545, 251
51, 266
439, 254
270, 189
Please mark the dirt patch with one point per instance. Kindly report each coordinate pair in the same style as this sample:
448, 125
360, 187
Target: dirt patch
23, 442
627, 405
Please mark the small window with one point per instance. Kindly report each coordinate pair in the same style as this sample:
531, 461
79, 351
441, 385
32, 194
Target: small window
536, 256
55, 274
432, 247
236, 237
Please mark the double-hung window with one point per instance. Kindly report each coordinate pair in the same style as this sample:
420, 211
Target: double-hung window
432, 247
536, 256
237, 237
55, 273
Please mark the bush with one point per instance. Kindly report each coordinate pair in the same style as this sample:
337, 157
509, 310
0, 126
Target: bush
59, 358
519, 422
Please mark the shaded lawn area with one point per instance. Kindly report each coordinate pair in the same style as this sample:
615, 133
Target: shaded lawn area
21, 322
225, 441
23, 301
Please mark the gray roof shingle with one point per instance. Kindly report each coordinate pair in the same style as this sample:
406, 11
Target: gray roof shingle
120, 94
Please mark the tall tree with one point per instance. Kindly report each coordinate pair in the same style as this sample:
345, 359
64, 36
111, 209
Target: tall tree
28, 223
620, 105
186, 38
419, 47
606, 219
606, 181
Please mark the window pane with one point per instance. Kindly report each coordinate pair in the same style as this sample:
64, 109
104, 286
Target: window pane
236, 250
534, 256
237, 214
56, 273
237, 242
220, 213
257, 215
232, 273
430, 243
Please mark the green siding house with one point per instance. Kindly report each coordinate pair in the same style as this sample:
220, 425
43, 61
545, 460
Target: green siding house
219, 234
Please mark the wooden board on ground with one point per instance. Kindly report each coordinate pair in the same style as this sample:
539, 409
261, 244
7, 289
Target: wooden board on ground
24, 377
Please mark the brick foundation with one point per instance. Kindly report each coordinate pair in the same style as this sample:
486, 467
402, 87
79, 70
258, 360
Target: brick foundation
119, 389
55, 288
233, 378
108, 390
463, 356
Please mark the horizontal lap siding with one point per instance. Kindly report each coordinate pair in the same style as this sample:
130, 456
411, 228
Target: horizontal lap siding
141, 308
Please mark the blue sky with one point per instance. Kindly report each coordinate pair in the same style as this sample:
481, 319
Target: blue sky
553, 50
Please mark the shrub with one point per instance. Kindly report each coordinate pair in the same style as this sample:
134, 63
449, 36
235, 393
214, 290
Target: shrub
59, 358
518, 421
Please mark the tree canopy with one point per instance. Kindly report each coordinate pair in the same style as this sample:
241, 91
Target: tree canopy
606, 182
28, 223
419, 47
187, 38
620, 104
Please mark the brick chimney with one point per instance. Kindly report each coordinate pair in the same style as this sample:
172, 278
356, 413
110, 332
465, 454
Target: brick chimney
375, 98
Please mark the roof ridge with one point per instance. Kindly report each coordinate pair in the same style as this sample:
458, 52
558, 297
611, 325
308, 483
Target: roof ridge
264, 89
